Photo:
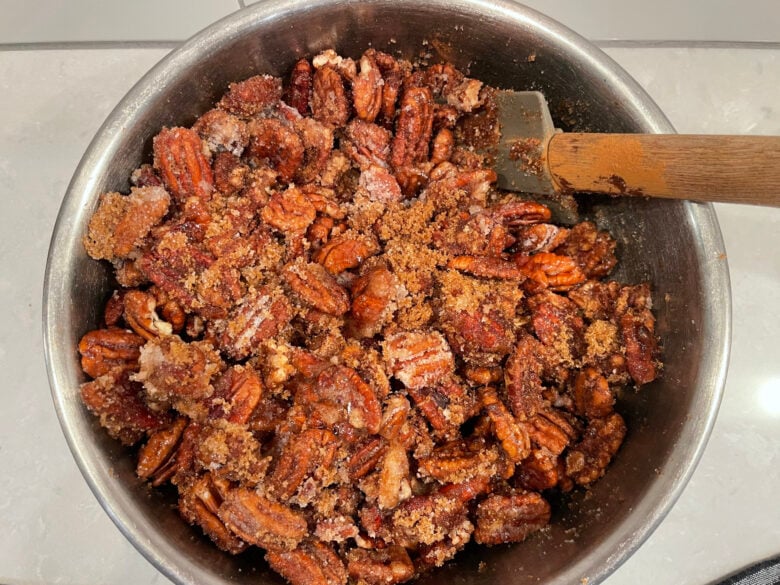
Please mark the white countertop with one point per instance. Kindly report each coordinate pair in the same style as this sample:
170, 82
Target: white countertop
52, 102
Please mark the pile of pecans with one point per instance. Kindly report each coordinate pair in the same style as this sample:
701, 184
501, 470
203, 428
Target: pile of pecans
340, 342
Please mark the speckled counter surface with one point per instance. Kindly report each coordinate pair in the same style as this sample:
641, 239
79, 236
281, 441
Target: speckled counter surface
52, 102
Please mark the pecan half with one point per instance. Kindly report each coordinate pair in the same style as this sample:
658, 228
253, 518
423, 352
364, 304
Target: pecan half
512, 518
367, 89
413, 127
157, 457
522, 377
346, 251
313, 285
593, 250
262, 522
179, 158
222, 132
199, 504
373, 301
513, 437
299, 89
587, 460
273, 143
329, 103
380, 567
593, 397
418, 359
252, 96
311, 563
109, 350
637, 330
117, 401
303, 455
547, 270
367, 144
236, 395
140, 314
488, 267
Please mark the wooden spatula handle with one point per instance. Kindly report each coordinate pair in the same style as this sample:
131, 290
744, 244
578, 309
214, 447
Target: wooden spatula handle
728, 169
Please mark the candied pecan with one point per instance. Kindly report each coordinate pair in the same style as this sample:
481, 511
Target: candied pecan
262, 522
538, 472
587, 460
144, 176
252, 96
169, 309
261, 315
418, 359
443, 143
428, 519
374, 296
380, 184
515, 214
222, 132
513, 438
107, 350
346, 251
117, 401
336, 529
540, 237
366, 144
548, 270
365, 457
313, 285
557, 323
483, 337
230, 452
171, 368
141, 316
460, 461
637, 331
273, 143
593, 397
303, 455
393, 477
413, 127
483, 376
510, 518
487, 267
522, 377
343, 392
592, 249
596, 299
311, 563
317, 140
114, 309
236, 394
367, 89
157, 457
329, 102
290, 211
299, 90
550, 430
199, 504
392, 77
122, 222
380, 567
446, 406
179, 158
230, 173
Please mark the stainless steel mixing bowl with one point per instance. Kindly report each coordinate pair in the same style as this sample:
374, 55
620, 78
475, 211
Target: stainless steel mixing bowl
677, 246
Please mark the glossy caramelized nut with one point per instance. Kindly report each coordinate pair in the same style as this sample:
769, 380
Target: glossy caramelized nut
593, 397
637, 329
513, 437
547, 270
262, 522
502, 519
413, 127
199, 504
107, 350
303, 455
156, 459
179, 158
300, 86
587, 460
311, 563
367, 89
236, 395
